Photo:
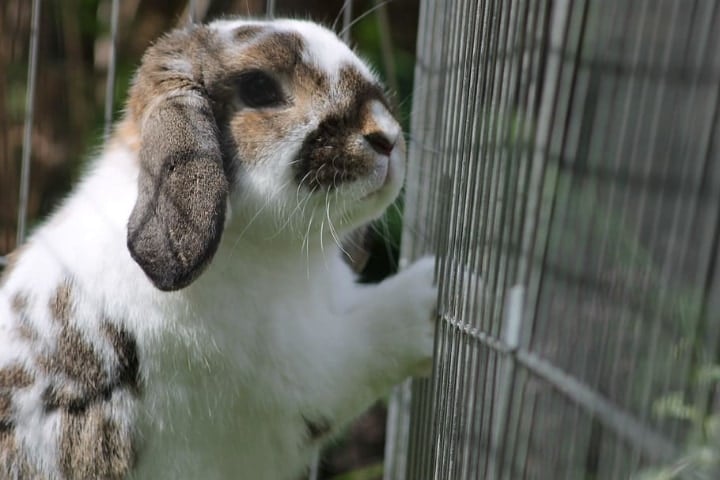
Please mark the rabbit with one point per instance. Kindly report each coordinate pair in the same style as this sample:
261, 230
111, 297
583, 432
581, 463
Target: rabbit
186, 312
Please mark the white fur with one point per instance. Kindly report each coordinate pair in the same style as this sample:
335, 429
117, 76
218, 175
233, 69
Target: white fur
276, 329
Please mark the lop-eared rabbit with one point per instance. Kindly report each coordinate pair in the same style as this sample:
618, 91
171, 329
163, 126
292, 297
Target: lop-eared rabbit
186, 313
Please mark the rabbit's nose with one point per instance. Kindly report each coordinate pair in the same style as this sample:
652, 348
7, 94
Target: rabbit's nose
380, 129
380, 142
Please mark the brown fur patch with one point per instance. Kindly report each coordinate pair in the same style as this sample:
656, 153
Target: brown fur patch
12, 463
360, 90
92, 445
61, 302
77, 359
6, 422
161, 72
125, 347
79, 370
247, 32
15, 377
26, 332
279, 52
8, 450
19, 303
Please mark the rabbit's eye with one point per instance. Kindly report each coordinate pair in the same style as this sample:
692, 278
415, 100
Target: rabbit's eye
258, 89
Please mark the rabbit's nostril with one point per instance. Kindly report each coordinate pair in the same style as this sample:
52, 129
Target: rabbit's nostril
380, 143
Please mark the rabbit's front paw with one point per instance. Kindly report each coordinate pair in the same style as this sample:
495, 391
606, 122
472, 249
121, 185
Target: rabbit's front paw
413, 295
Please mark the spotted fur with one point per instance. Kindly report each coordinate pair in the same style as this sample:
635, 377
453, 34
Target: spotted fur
186, 313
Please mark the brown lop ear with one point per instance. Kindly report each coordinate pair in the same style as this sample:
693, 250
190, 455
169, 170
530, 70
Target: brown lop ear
176, 224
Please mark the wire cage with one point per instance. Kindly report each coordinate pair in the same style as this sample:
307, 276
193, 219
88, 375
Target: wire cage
565, 165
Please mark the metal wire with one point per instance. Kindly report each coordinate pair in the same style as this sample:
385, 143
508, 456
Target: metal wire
112, 64
347, 15
565, 156
192, 11
28, 128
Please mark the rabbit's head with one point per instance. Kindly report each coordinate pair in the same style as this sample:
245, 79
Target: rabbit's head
279, 120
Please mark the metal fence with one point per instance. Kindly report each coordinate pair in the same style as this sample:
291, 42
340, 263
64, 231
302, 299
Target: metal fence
565, 166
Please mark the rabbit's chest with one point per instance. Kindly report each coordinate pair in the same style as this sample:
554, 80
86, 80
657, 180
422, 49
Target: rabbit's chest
235, 398
207, 424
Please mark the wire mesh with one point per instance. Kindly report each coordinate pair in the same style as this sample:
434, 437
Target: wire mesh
565, 167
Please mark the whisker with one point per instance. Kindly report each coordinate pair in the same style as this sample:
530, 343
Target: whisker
257, 214
333, 232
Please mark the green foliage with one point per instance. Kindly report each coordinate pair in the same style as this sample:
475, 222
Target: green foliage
700, 458
372, 472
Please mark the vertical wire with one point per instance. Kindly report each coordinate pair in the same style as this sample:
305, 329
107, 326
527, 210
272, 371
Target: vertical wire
528, 49
702, 181
648, 108
539, 211
592, 138
505, 148
490, 202
574, 105
314, 473
470, 310
419, 196
624, 132
446, 409
110, 83
495, 252
547, 178
424, 458
539, 108
592, 127
28, 127
601, 217
644, 209
445, 331
386, 44
347, 20
567, 92
463, 166
192, 11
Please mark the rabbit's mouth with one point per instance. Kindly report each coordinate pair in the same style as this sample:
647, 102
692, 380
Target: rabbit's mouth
383, 177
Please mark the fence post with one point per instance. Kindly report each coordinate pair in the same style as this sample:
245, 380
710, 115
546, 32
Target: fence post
511, 335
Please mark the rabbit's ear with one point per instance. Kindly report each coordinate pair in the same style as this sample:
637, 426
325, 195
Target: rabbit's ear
176, 224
